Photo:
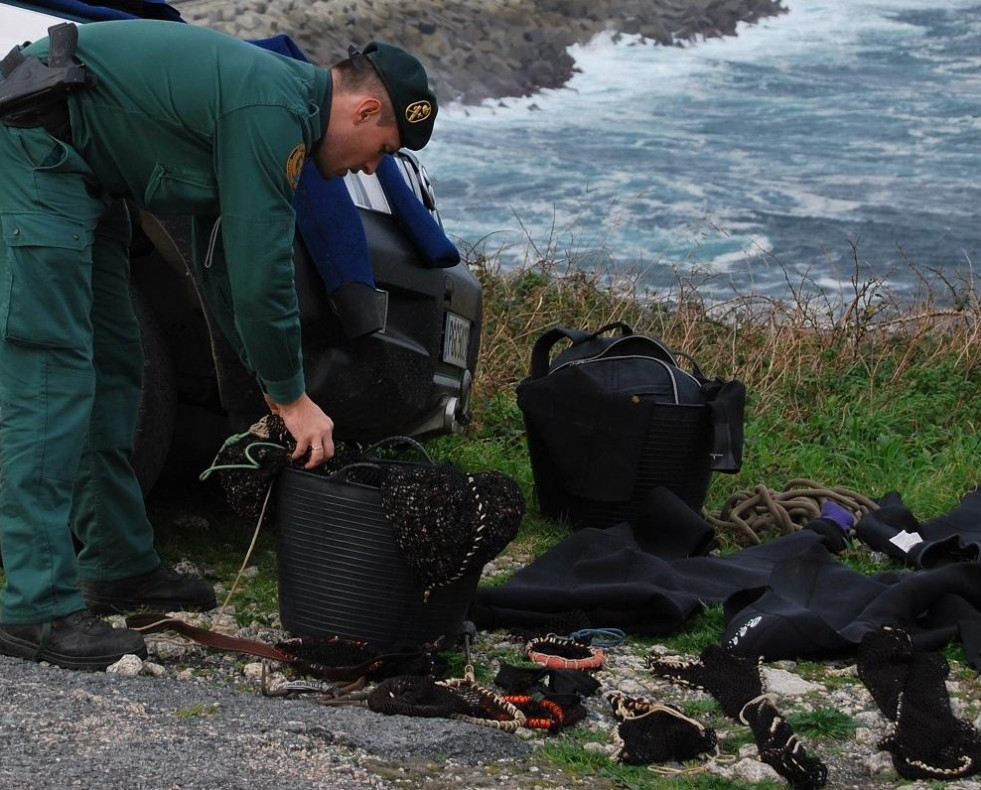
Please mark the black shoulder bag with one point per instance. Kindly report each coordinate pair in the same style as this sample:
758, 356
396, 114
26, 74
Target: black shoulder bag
611, 417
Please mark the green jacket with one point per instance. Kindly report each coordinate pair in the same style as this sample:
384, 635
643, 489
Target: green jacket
188, 120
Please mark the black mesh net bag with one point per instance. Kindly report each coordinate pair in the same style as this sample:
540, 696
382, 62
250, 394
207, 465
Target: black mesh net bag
338, 657
733, 680
416, 695
651, 732
559, 652
736, 683
884, 656
780, 748
447, 523
483, 706
909, 686
951, 751
565, 688
456, 698
247, 463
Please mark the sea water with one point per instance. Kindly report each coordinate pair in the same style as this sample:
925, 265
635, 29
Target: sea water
838, 142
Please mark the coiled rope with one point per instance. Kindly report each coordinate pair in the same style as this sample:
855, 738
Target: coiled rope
747, 514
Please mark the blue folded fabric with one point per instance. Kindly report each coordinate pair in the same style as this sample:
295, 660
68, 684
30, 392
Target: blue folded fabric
326, 217
147, 9
331, 228
437, 251
282, 45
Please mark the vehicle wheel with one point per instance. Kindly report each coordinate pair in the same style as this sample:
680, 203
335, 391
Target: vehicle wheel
158, 406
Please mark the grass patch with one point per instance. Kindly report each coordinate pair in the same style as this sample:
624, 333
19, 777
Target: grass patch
823, 723
702, 630
570, 753
197, 710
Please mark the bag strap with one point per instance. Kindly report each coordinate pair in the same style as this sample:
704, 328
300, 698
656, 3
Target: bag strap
370, 460
155, 622
343, 475
542, 350
696, 371
625, 329
395, 441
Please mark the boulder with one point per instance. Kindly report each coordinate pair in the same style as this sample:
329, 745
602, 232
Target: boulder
474, 50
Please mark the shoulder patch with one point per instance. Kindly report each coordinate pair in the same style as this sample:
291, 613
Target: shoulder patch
294, 164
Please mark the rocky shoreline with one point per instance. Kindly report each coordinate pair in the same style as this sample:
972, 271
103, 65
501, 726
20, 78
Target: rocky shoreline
478, 49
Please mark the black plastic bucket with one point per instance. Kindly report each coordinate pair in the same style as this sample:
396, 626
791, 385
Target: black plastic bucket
341, 573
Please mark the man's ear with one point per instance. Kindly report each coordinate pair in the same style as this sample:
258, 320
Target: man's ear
368, 109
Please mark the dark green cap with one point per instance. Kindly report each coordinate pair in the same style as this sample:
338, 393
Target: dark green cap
408, 87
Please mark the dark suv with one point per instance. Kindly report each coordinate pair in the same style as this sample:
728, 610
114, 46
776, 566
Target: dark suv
409, 374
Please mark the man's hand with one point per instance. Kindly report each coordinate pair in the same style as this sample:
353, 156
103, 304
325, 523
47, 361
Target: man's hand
309, 426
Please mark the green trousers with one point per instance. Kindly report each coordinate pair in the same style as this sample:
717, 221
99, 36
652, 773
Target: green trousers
71, 364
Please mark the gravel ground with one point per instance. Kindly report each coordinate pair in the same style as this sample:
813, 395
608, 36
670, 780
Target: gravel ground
98, 730
190, 717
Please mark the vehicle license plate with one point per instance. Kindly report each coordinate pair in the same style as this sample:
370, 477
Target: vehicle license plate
456, 340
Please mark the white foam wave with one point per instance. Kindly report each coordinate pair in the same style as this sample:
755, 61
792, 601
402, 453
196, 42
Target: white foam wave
614, 68
705, 155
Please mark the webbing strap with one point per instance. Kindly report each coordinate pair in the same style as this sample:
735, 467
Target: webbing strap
32, 86
155, 623
12, 60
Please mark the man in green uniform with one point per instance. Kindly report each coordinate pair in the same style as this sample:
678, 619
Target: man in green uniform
174, 118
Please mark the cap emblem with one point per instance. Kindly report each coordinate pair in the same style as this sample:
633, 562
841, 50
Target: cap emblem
418, 111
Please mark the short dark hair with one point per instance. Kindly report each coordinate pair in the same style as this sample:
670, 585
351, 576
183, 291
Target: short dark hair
357, 75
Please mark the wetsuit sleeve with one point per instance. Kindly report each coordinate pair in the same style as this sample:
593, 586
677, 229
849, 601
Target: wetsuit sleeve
256, 150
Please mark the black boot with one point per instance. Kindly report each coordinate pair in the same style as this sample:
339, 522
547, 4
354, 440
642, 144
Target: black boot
163, 589
77, 641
